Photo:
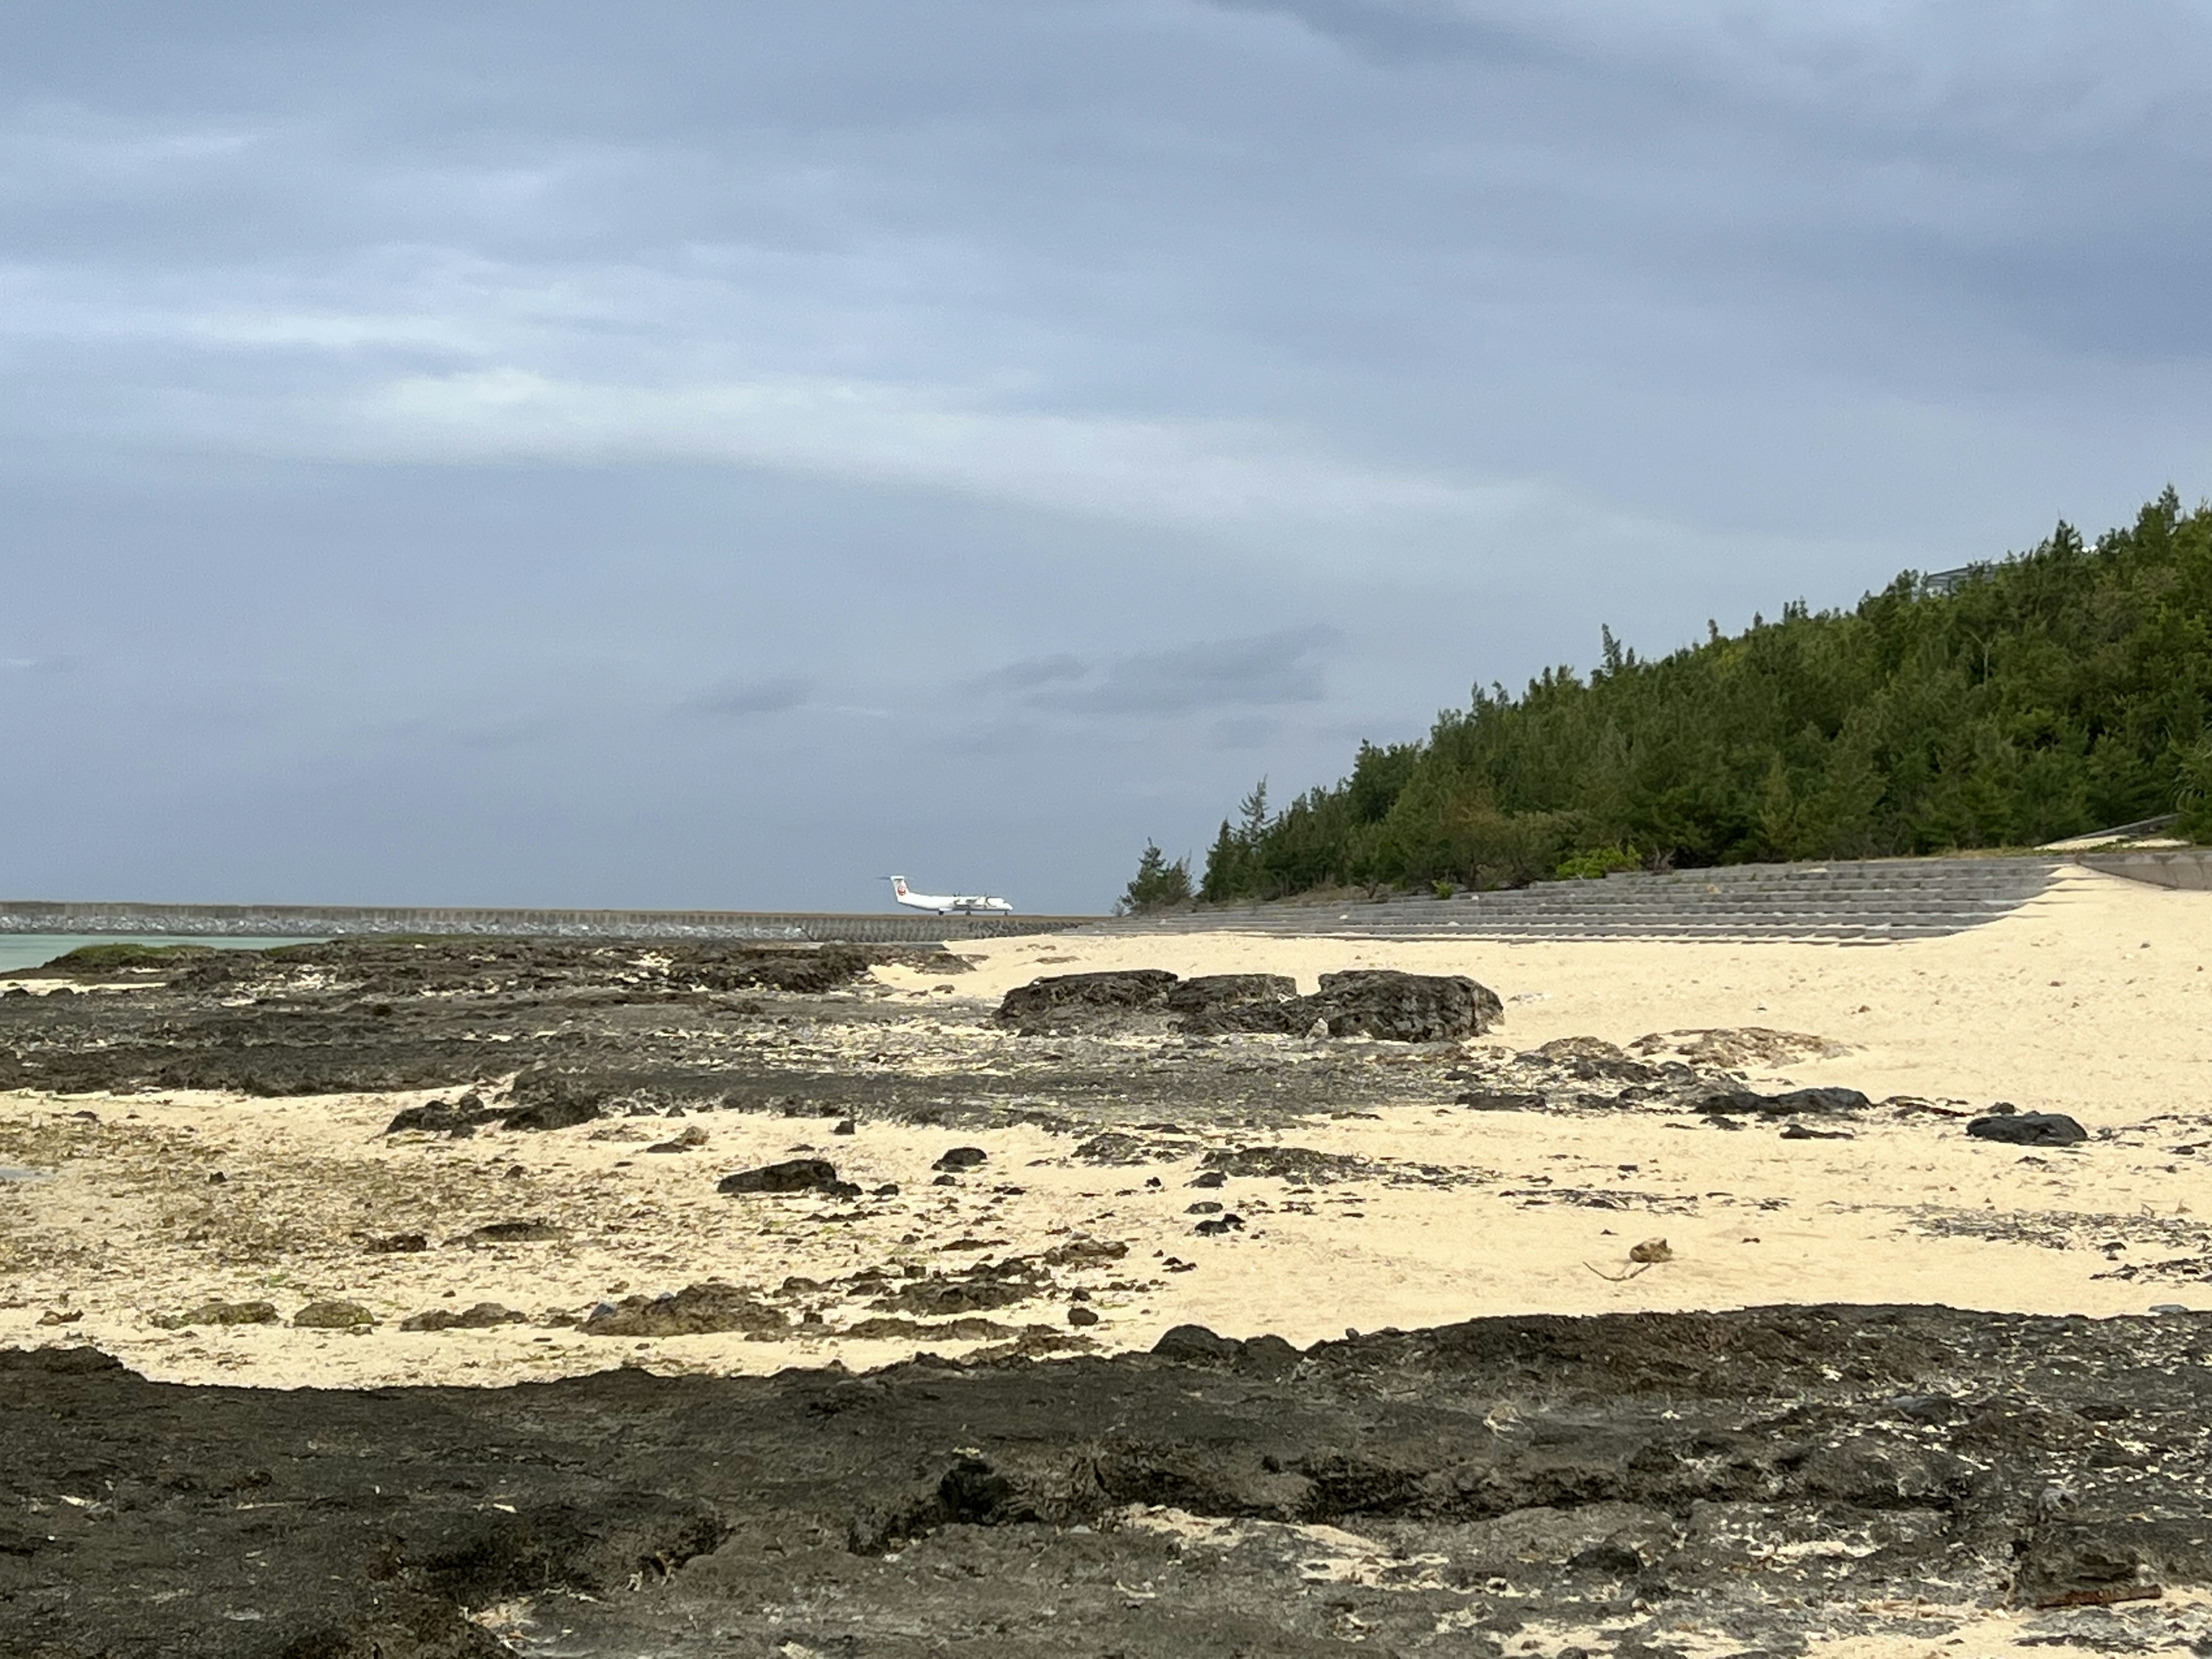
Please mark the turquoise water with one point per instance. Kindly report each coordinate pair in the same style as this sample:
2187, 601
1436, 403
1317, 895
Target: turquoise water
30, 950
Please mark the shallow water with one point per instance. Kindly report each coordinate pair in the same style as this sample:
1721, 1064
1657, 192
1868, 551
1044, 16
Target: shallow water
32, 949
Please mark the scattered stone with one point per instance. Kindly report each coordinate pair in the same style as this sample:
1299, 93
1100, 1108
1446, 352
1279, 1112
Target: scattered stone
1226, 1223
397, 1244
961, 1157
1300, 1165
222, 1313
1081, 1317
333, 1315
1115, 1147
939, 1297
481, 1316
514, 1232
696, 1310
1499, 1100
1792, 1102
884, 1329
1651, 1250
1207, 1207
846, 1126
1210, 1178
1805, 1132
1588, 1059
691, 1139
56, 1316
797, 1174
1731, 1050
2018, 1128
1085, 1253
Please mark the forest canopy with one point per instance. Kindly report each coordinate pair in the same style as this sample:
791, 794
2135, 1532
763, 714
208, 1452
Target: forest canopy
2045, 695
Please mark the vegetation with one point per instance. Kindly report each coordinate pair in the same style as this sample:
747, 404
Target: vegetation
1157, 884
2053, 693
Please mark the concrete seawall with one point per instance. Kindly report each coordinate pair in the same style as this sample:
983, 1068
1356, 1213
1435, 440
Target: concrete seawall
321, 920
2189, 868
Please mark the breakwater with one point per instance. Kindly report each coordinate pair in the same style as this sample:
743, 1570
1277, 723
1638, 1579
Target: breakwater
332, 921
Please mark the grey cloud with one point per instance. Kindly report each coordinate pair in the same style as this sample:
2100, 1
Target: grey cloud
1257, 671
1031, 672
775, 694
870, 339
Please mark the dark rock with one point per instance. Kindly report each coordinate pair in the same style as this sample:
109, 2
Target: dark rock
333, 1315
481, 1316
1588, 1059
695, 1310
514, 1232
889, 1329
1211, 991
938, 1297
1616, 1560
397, 1244
797, 1174
1206, 1208
445, 1117
1381, 1002
1214, 1003
1805, 1132
2020, 1128
1298, 1164
1081, 1316
1085, 1253
1078, 999
846, 1126
1791, 1103
961, 1157
222, 1313
1195, 1345
1209, 1178
563, 1114
1115, 1147
1496, 1100
1231, 1223
690, 1140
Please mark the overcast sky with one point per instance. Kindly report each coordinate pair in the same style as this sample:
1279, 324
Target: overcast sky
714, 455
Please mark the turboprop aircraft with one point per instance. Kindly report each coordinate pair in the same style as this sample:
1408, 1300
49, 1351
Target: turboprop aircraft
964, 904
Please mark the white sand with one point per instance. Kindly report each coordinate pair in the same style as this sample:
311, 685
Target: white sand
2091, 1001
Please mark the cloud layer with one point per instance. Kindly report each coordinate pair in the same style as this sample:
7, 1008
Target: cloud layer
714, 452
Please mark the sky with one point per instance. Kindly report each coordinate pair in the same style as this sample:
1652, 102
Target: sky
697, 455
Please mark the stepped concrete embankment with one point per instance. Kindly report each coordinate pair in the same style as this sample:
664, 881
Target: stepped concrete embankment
333, 920
1855, 902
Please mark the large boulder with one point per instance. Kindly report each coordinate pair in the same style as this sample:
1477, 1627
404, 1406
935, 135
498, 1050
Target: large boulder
1214, 1003
1075, 1003
794, 1175
2028, 1129
1381, 1002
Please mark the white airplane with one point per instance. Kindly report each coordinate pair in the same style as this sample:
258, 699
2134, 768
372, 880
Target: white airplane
964, 904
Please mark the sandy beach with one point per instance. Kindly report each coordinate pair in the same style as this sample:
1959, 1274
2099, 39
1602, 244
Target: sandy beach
2093, 1002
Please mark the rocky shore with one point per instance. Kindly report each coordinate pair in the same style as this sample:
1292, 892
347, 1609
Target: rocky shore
811, 1299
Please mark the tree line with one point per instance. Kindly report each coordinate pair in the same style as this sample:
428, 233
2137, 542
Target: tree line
2045, 695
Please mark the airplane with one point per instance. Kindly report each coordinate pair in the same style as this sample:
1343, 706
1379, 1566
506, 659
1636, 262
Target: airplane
965, 904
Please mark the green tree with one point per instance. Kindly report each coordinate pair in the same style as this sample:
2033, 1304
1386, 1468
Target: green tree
1157, 884
2055, 691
